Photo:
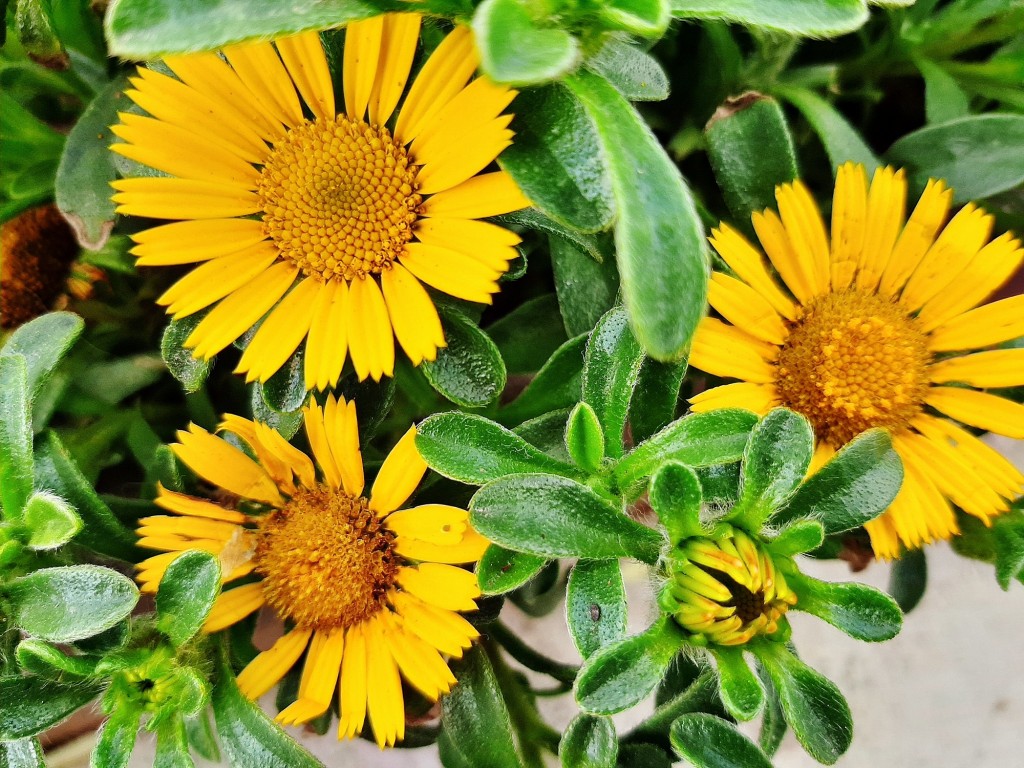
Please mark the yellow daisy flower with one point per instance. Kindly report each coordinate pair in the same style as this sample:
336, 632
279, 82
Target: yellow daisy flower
370, 592
877, 327
330, 222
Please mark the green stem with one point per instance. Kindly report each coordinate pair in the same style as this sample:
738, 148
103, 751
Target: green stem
696, 698
533, 733
531, 659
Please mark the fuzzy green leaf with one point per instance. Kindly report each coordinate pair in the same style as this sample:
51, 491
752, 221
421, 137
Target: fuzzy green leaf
659, 238
50, 520
557, 385
640, 17
188, 370
797, 17
469, 371
589, 742
515, 49
23, 753
41, 658
740, 689
471, 449
30, 705
502, 570
635, 73
595, 605
15, 436
186, 594
610, 369
557, 517
707, 741
677, 497
172, 745
621, 675
586, 288
842, 142
43, 342
584, 438
908, 579
116, 739
798, 537
860, 611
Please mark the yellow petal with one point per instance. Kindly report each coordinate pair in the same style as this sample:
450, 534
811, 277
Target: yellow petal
233, 606
996, 368
805, 231
169, 198
413, 315
917, 236
397, 48
886, 206
316, 433
489, 194
342, 431
746, 309
759, 398
304, 57
401, 472
455, 164
469, 550
319, 677
472, 110
371, 339
823, 453
281, 333
225, 466
215, 279
352, 691
724, 350
190, 157
362, 54
748, 264
451, 272
184, 242
849, 215
327, 344
177, 525
979, 409
190, 505
444, 630
984, 460
990, 324
491, 245
793, 267
444, 586
418, 662
384, 700
447, 70
267, 669
259, 67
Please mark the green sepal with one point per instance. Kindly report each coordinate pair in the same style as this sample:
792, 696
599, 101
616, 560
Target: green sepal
707, 741
36, 33
186, 594
720, 483
515, 49
908, 579
554, 516
813, 706
116, 739
43, 342
589, 742
191, 372
15, 436
855, 486
41, 658
469, 371
773, 719
697, 440
30, 705
595, 605
502, 570
474, 716
584, 438
862, 612
798, 537
71, 602
659, 239
50, 520
751, 152
738, 686
172, 745
610, 369
471, 449
621, 675
677, 497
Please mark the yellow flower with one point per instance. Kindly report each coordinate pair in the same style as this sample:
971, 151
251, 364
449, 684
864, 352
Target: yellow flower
370, 592
877, 327
350, 215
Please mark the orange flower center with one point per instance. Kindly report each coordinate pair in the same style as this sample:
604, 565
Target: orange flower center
339, 198
326, 559
854, 361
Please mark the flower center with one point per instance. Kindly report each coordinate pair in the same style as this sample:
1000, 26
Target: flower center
36, 251
726, 590
326, 559
854, 361
339, 198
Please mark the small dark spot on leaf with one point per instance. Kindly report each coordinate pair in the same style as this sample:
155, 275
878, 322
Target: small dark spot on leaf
595, 612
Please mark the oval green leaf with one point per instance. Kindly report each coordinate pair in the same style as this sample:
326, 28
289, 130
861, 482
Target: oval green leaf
739, 687
186, 594
862, 612
589, 742
610, 369
584, 438
707, 741
502, 570
595, 605
43, 342
469, 371
515, 49
676, 496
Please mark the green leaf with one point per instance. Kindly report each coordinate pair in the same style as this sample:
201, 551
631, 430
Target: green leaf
621, 675
944, 99
659, 239
856, 485
862, 612
186, 594
110, 382
1008, 534
502, 570
56, 471
471, 449
70, 603
908, 579
978, 156
842, 142
798, 537
43, 342
86, 169
547, 433
529, 334
172, 745
15, 436
36, 33
655, 397
116, 739
677, 497
558, 517
146, 29
285, 391
610, 369
698, 440
50, 520
474, 716
635, 73
557, 159
595, 605
643, 756
641, 17
751, 152
515, 49
187, 369
30, 705
773, 720
557, 385
40, 658
775, 461
201, 737
23, 753
707, 741
248, 736
813, 706
739, 687
798, 17
469, 371
584, 438
586, 288
589, 742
